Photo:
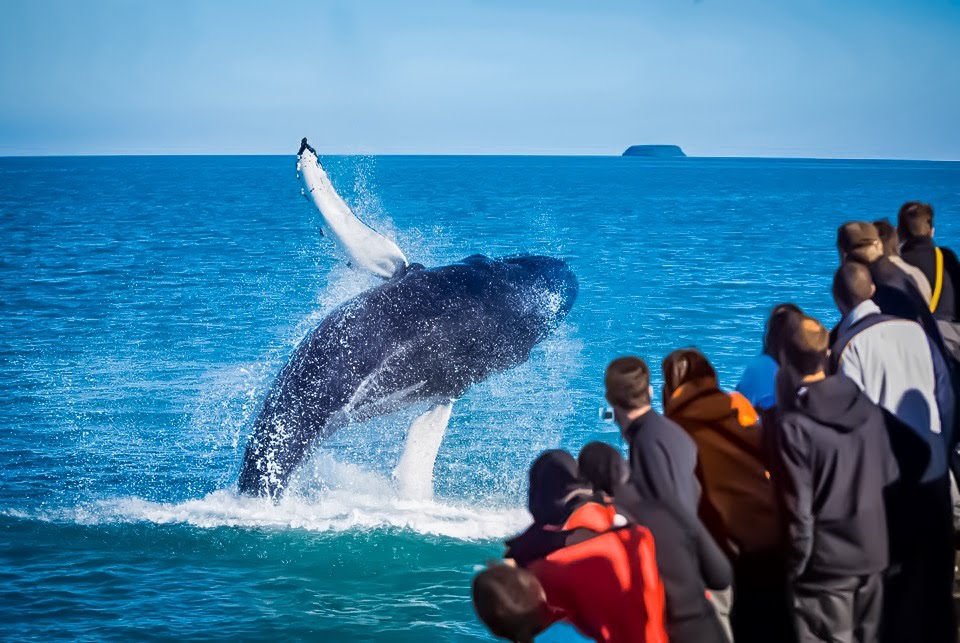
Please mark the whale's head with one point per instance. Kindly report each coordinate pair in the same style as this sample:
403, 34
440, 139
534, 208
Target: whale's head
547, 282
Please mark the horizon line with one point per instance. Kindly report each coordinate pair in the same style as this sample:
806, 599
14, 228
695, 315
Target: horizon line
485, 154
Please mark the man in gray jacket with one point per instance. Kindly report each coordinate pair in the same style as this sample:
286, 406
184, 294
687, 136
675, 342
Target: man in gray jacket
891, 361
889, 358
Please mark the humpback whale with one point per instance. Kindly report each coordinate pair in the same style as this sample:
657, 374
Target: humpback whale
424, 335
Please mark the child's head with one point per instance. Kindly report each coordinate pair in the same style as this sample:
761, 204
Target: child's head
511, 603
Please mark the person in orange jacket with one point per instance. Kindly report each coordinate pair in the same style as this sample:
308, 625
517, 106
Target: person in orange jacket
594, 568
738, 503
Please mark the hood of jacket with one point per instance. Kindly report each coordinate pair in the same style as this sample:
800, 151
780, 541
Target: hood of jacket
555, 488
835, 402
701, 400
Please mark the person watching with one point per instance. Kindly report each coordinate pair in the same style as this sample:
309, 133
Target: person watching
835, 462
663, 457
511, 602
891, 249
600, 571
756, 383
896, 293
891, 361
737, 504
688, 559
939, 265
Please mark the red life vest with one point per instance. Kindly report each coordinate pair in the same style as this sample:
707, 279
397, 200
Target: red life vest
608, 585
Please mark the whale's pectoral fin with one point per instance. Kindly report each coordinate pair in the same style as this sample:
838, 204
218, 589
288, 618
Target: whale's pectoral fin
414, 471
367, 248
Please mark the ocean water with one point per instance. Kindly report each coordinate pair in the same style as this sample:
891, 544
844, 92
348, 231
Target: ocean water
147, 303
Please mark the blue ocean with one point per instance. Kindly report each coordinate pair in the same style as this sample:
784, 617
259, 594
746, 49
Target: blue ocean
148, 303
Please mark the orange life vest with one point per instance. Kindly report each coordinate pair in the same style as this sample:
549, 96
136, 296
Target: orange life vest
608, 585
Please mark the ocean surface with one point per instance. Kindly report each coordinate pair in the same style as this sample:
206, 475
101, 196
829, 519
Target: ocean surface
146, 303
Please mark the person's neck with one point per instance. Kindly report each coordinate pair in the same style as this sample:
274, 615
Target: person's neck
814, 377
635, 413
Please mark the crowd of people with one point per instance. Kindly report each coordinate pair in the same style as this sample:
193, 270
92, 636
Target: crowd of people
814, 503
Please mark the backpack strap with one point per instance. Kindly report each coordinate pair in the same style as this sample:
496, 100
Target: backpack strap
938, 282
845, 337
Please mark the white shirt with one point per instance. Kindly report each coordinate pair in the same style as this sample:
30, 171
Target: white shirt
891, 364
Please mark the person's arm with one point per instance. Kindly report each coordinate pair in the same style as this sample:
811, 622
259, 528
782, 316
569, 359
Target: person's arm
796, 488
714, 565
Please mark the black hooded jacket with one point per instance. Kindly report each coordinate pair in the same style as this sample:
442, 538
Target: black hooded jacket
921, 253
555, 491
834, 463
689, 560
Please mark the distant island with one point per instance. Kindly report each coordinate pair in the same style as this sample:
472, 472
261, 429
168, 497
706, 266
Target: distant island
655, 151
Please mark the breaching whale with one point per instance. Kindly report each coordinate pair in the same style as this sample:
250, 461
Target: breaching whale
424, 335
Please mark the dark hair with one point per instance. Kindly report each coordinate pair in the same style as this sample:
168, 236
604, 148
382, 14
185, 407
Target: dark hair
888, 236
779, 317
628, 383
602, 466
852, 285
805, 344
915, 219
682, 366
555, 487
509, 600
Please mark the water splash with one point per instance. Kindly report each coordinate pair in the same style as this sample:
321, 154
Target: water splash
352, 498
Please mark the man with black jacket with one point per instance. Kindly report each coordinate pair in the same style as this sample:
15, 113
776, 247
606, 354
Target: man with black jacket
835, 461
938, 264
663, 458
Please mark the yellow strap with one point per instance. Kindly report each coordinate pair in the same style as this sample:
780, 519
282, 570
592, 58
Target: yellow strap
938, 285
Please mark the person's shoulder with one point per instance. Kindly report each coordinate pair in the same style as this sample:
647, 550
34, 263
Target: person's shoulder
948, 254
888, 330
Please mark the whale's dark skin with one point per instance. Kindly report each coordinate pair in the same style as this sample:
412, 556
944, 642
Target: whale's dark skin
427, 334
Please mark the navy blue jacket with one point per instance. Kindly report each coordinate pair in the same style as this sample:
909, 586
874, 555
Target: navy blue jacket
663, 462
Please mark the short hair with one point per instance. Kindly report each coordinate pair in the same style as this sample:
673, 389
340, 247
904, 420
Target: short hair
779, 317
852, 284
915, 219
627, 381
888, 236
682, 366
805, 344
856, 239
510, 602
602, 466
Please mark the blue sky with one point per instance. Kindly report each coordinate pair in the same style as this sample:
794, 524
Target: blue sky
824, 78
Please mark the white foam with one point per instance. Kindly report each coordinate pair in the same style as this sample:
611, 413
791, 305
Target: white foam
352, 499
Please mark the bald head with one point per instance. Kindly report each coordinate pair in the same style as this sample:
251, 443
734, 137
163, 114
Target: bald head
852, 285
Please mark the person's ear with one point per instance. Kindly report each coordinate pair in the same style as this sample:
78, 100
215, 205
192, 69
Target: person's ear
932, 230
650, 391
873, 290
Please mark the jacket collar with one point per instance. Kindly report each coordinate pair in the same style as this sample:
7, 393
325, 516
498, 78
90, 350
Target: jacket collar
637, 425
917, 242
859, 312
